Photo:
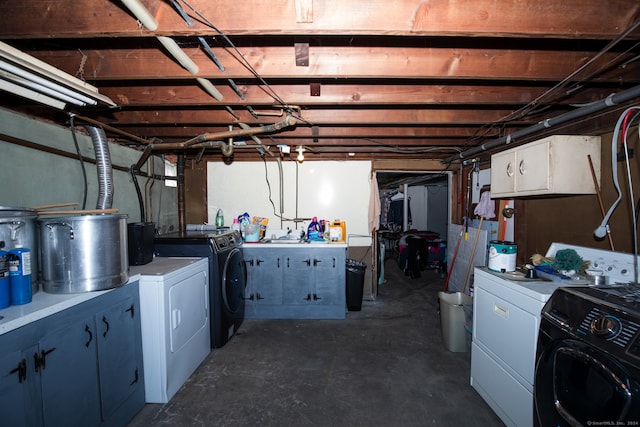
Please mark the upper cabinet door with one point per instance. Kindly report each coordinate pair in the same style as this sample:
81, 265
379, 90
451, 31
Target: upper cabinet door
556, 165
532, 168
503, 169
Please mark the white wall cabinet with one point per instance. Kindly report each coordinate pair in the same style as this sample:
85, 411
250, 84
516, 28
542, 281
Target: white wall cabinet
554, 165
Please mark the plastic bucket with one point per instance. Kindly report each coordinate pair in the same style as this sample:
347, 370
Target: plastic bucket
452, 320
502, 256
251, 232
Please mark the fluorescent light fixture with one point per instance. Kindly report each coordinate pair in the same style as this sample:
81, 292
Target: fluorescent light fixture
140, 11
28, 77
210, 88
179, 54
31, 94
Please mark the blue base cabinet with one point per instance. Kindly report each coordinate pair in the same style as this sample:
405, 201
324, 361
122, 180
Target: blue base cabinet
78, 367
295, 282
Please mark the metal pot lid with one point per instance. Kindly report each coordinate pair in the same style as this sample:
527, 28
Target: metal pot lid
84, 218
7, 211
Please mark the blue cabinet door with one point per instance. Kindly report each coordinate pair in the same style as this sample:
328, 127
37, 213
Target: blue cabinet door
19, 385
69, 375
328, 283
120, 372
298, 273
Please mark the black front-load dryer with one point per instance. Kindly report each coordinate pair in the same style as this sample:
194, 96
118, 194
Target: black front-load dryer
588, 358
233, 280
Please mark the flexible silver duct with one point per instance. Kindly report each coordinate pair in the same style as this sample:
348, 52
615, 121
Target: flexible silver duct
103, 162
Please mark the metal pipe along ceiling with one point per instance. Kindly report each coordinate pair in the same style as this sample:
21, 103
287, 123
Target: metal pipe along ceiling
610, 101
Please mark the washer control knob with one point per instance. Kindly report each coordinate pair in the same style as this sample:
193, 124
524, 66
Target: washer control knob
606, 326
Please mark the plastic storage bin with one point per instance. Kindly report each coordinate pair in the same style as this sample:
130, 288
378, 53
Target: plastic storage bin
452, 320
355, 283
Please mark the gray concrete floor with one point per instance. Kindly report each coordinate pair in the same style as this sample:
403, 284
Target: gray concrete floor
385, 365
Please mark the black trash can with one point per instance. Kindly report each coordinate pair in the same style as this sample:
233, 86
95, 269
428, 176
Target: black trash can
355, 284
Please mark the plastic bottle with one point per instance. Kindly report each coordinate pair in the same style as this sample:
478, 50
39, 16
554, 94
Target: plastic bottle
5, 286
314, 232
236, 225
20, 275
326, 233
220, 218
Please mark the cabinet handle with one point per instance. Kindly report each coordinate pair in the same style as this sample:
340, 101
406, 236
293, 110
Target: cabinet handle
249, 261
308, 298
258, 297
132, 310
501, 311
316, 262
278, 262
88, 331
509, 170
136, 376
522, 167
259, 261
316, 297
250, 297
308, 262
21, 370
104, 320
41, 361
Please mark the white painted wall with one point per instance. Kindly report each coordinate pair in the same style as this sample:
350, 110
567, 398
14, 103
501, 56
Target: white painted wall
430, 208
328, 189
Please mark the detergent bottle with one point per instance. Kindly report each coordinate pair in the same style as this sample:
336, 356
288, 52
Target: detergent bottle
314, 232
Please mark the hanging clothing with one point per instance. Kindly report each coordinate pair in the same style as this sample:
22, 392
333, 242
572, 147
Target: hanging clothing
374, 204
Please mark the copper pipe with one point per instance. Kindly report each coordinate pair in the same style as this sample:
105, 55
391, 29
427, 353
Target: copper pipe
114, 130
208, 140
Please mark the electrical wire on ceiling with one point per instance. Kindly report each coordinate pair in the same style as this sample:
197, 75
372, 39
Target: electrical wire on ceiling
536, 106
235, 52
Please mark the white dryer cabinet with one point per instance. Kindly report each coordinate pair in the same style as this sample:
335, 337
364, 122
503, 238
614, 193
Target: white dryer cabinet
174, 314
506, 318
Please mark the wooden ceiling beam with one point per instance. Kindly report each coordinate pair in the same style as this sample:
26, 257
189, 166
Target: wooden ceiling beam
344, 94
337, 63
325, 134
343, 117
593, 19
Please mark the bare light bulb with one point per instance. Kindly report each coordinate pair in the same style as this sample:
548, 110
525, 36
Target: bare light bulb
300, 157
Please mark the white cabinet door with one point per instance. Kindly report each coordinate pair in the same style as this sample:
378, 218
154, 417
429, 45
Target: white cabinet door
532, 168
503, 180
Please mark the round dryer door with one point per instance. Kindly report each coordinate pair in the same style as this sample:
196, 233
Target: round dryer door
577, 384
234, 281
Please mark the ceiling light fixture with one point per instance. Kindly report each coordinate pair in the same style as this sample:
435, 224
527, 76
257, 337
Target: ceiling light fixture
300, 151
30, 78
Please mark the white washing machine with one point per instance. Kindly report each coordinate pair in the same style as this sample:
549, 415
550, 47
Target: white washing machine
175, 316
